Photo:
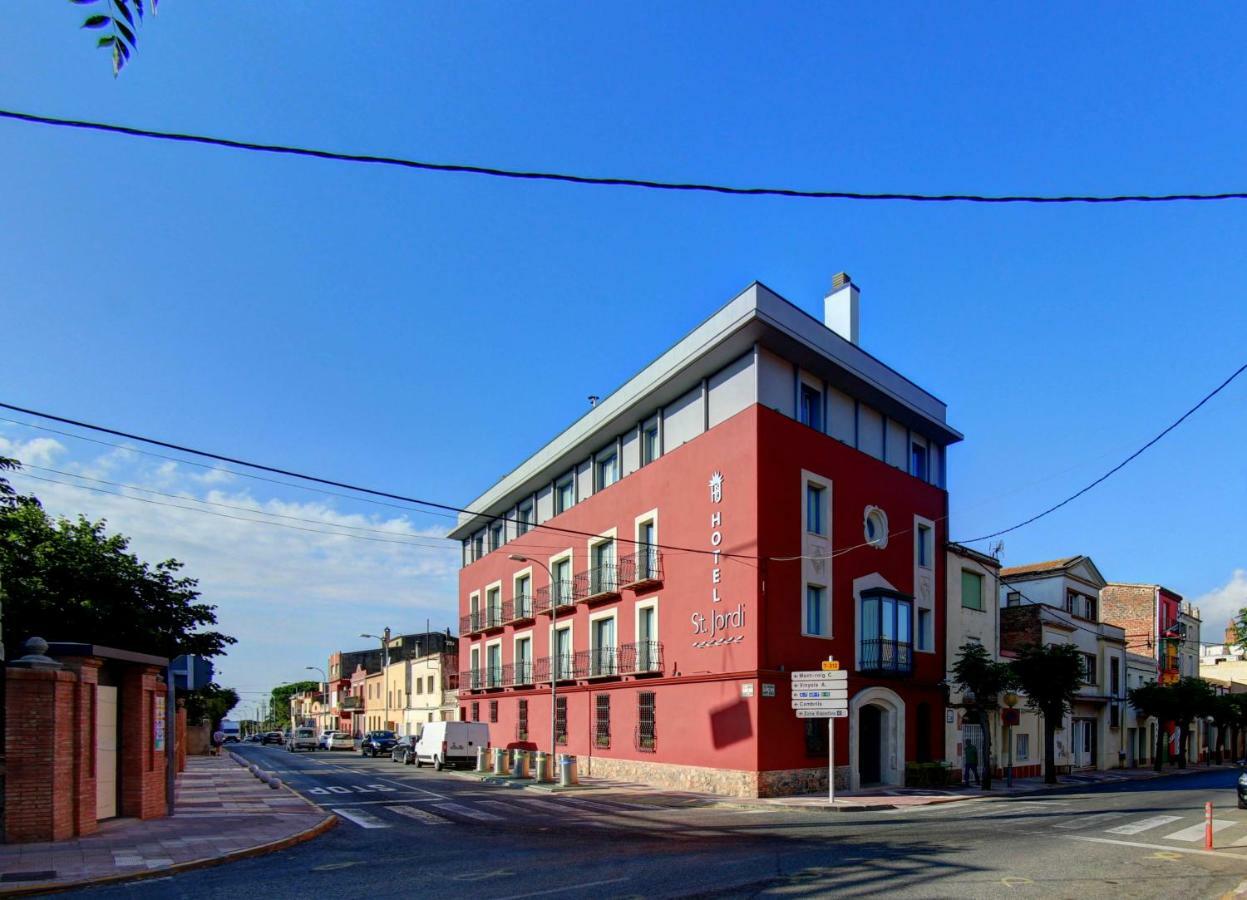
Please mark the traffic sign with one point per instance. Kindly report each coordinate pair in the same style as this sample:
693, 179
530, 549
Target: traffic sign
798, 693
822, 713
820, 704
830, 665
840, 675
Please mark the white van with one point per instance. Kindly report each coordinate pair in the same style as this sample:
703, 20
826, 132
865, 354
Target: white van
450, 743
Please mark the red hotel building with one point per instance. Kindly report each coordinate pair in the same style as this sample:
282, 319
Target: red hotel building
762, 496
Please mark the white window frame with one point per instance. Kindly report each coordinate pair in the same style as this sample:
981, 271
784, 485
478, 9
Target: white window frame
474, 600
570, 625
516, 577
598, 459
474, 665
647, 603
492, 586
496, 642
594, 618
568, 479
569, 556
592, 544
525, 635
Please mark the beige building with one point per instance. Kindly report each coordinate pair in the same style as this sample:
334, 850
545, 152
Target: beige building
375, 713
433, 694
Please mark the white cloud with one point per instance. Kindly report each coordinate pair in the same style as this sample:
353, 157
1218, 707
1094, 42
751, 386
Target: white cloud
291, 595
1218, 606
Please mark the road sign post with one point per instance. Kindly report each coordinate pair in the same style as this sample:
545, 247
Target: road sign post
819, 694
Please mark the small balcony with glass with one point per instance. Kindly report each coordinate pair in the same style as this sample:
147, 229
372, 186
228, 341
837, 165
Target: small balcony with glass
887, 641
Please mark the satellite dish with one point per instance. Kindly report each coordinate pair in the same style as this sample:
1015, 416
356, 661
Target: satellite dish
996, 549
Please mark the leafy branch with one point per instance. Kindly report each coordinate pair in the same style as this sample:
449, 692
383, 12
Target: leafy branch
122, 19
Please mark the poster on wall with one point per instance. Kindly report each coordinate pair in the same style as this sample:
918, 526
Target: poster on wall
158, 723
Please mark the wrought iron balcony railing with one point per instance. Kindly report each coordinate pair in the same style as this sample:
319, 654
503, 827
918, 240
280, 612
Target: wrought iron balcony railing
471, 623
561, 594
641, 658
563, 665
493, 677
598, 584
493, 616
519, 609
887, 656
600, 662
472, 680
641, 569
518, 674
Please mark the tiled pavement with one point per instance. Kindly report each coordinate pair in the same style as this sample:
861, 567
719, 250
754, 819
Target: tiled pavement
221, 811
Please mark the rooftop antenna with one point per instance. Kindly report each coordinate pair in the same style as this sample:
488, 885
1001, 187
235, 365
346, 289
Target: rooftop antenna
593, 400
996, 549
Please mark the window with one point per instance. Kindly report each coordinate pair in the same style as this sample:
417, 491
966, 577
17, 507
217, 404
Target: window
524, 518
476, 711
474, 668
607, 470
1013, 598
817, 621
876, 527
523, 597
647, 554
564, 495
524, 660
810, 409
493, 674
647, 656
602, 721
971, 590
815, 738
430, 684
419, 685
918, 460
646, 729
926, 548
493, 710
563, 652
603, 649
493, 606
1088, 670
1080, 605
815, 511
560, 720
521, 722
887, 642
562, 587
474, 611
649, 444
1114, 675
478, 546
925, 638
602, 568
1024, 746
497, 532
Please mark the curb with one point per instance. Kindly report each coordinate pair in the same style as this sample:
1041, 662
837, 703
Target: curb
57, 887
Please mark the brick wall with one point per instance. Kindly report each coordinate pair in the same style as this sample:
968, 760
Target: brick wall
39, 751
1019, 626
142, 766
1131, 608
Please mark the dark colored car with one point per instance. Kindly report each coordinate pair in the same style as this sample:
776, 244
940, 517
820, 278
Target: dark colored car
404, 751
1242, 786
273, 737
378, 743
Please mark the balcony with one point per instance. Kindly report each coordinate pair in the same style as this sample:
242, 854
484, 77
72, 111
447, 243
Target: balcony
886, 656
599, 585
641, 570
471, 623
565, 668
493, 678
561, 596
518, 610
494, 617
351, 703
641, 658
600, 662
472, 680
518, 674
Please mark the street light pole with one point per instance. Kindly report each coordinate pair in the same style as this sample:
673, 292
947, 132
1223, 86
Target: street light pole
384, 638
324, 694
554, 670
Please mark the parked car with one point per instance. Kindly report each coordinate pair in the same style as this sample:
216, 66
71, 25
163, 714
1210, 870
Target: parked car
450, 743
273, 737
340, 740
254, 738
405, 750
301, 739
377, 743
322, 742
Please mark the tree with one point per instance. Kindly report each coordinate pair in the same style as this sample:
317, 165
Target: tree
279, 709
211, 702
982, 679
1155, 701
1050, 676
66, 580
1225, 715
1193, 699
121, 18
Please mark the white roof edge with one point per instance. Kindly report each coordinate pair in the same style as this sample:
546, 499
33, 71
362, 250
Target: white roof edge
756, 302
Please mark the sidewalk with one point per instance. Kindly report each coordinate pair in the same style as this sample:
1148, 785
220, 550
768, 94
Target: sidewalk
873, 799
222, 813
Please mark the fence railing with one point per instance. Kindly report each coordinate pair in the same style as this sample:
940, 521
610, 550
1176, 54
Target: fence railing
600, 582
561, 594
640, 658
518, 609
470, 623
887, 656
640, 568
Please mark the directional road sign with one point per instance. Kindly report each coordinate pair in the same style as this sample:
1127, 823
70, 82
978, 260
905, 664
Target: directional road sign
799, 693
839, 675
822, 713
819, 704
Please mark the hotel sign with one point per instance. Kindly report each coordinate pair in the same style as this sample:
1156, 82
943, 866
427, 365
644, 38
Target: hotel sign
713, 628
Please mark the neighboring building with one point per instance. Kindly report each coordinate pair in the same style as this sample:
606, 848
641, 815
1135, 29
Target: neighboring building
766, 440
1150, 615
1189, 627
1140, 730
305, 709
375, 712
1225, 664
433, 696
1056, 602
973, 617
355, 704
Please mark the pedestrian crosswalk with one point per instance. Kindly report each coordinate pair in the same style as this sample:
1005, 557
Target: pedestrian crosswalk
469, 808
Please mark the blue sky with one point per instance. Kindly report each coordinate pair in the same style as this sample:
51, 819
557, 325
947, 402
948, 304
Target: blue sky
425, 332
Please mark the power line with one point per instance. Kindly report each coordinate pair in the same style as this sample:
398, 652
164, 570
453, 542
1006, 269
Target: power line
1121, 465
604, 181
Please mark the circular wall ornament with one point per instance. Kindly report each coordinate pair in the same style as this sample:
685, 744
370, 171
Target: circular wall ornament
875, 525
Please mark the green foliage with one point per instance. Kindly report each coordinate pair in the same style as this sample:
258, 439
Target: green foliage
975, 672
121, 18
279, 705
211, 702
1050, 676
73, 581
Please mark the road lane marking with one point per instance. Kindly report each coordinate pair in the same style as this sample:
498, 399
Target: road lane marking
1143, 825
468, 811
360, 818
420, 815
563, 890
1196, 832
1098, 840
1089, 821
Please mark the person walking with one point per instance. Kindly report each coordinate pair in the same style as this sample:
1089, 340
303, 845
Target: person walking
218, 738
972, 765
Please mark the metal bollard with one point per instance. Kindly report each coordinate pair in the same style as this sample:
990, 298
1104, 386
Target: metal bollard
500, 761
541, 770
519, 764
482, 759
567, 770
275, 783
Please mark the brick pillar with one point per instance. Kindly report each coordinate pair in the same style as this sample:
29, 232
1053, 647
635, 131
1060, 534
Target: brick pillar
181, 736
142, 764
39, 749
88, 671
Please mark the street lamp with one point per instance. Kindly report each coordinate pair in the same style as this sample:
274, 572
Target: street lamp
384, 638
1011, 700
324, 694
554, 666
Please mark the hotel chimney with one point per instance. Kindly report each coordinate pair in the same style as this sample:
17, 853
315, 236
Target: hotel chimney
840, 307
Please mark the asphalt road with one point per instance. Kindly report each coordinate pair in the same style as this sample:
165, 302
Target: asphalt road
416, 832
